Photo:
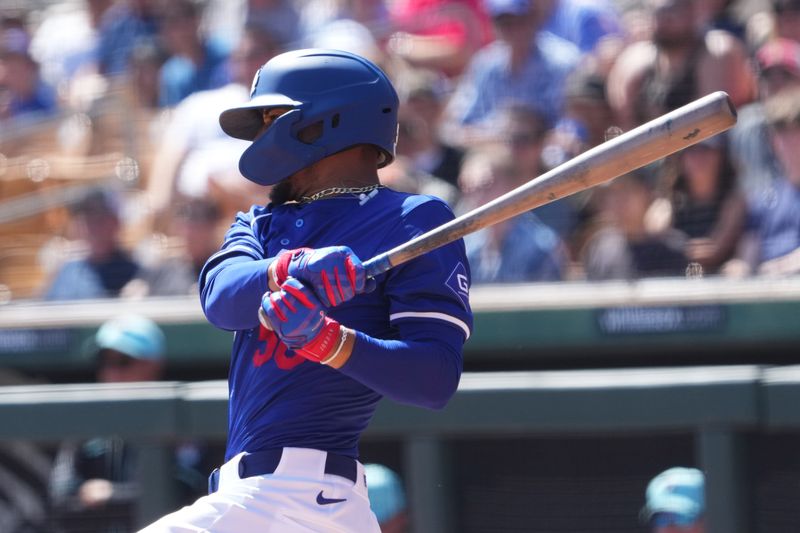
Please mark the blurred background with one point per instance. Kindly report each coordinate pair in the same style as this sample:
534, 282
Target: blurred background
646, 324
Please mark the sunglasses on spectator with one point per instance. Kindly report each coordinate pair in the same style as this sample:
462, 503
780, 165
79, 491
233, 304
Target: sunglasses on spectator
672, 519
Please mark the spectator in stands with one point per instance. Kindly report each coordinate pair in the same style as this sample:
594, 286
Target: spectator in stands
675, 501
521, 249
195, 159
772, 246
106, 267
422, 102
196, 63
279, 18
523, 66
144, 87
586, 106
705, 203
22, 91
122, 26
224, 20
402, 175
527, 135
778, 69
174, 272
317, 15
351, 36
387, 498
587, 122
93, 484
65, 43
676, 66
720, 15
624, 245
787, 19
440, 35
582, 22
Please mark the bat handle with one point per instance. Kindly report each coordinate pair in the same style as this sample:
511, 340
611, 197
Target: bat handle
377, 265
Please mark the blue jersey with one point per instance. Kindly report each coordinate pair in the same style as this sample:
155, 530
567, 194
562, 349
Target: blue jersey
410, 329
777, 221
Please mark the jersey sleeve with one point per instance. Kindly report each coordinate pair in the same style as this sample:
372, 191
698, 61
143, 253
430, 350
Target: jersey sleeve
234, 279
435, 286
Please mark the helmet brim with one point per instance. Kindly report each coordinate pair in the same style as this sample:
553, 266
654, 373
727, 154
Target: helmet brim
244, 122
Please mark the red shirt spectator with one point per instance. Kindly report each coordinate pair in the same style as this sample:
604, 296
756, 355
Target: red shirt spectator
439, 34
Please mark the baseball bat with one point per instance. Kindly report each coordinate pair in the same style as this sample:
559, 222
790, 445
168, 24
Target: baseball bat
665, 135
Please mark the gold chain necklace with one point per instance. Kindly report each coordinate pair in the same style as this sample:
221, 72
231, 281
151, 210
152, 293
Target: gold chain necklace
333, 191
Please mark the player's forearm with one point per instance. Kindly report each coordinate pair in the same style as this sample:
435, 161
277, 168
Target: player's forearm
424, 373
231, 293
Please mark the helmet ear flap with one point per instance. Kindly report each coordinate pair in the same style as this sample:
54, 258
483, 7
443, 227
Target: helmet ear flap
278, 152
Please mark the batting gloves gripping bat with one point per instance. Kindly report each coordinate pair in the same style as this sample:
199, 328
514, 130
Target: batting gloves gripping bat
334, 273
300, 320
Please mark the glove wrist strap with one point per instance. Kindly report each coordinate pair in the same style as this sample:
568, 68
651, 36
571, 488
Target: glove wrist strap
336, 353
325, 343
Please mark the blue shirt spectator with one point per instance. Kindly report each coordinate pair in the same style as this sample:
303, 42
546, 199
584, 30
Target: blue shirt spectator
528, 251
583, 22
22, 90
122, 26
777, 64
523, 66
180, 77
777, 221
105, 268
196, 63
520, 249
772, 247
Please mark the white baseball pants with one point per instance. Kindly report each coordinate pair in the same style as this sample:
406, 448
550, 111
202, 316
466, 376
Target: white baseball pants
299, 497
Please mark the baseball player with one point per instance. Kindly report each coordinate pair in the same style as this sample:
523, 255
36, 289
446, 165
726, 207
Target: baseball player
317, 343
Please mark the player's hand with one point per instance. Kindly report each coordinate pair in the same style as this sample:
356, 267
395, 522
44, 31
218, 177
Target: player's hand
299, 319
334, 273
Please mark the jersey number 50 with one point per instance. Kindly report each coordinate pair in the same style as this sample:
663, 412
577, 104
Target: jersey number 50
273, 347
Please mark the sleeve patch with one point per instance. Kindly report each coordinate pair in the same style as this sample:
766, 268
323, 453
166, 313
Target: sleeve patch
458, 282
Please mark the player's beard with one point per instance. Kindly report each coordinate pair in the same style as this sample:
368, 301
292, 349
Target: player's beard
282, 192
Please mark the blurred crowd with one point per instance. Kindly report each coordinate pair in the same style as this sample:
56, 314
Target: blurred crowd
116, 180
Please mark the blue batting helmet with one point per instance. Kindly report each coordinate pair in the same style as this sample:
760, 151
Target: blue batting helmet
342, 94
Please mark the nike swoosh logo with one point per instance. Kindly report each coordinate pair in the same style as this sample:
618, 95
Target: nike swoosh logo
322, 500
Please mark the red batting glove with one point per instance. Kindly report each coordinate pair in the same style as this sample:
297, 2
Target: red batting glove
334, 273
299, 319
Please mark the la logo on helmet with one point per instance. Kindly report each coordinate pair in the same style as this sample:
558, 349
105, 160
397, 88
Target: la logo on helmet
255, 83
